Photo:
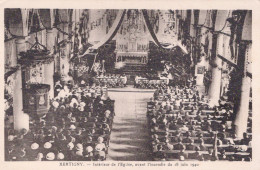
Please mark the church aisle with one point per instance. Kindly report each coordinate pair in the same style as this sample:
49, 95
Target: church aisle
129, 139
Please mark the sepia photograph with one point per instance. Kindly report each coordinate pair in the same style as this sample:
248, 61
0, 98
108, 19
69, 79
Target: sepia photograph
127, 85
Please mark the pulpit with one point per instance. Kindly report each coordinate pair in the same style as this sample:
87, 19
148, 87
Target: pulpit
36, 101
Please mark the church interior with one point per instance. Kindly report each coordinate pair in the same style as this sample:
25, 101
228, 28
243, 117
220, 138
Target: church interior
127, 85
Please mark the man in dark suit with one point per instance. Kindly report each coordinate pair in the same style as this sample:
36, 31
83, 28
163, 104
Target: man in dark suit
245, 139
191, 145
179, 145
182, 153
202, 145
188, 138
209, 156
196, 155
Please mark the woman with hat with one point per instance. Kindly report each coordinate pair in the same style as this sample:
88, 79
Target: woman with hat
60, 156
50, 156
79, 152
107, 113
70, 152
39, 157
99, 152
88, 154
48, 147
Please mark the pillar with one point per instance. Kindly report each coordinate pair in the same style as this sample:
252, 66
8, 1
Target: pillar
242, 106
243, 109
65, 60
200, 76
49, 68
214, 89
21, 119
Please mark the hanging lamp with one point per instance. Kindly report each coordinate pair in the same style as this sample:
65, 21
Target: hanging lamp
38, 53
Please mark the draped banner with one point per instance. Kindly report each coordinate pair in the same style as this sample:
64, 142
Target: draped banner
116, 25
150, 28
111, 33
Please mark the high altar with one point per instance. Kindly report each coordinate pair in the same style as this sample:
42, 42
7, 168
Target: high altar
132, 42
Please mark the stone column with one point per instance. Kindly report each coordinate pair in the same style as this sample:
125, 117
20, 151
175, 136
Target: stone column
65, 61
200, 76
243, 105
49, 68
21, 119
242, 114
214, 89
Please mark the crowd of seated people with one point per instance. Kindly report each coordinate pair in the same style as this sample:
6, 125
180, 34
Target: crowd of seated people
111, 80
76, 128
89, 88
184, 127
150, 82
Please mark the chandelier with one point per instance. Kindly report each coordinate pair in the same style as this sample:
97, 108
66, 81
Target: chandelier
38, 53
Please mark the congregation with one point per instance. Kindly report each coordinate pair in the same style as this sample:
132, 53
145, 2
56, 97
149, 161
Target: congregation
184, 127
127, 85
77, 127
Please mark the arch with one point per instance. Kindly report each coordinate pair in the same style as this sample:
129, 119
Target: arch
46, 17
16, 21
247, 27
213, 18
208, 20
34, 21
196, 16
183, 14
192, 20
64, 15
188, 20
202, 17
221, 18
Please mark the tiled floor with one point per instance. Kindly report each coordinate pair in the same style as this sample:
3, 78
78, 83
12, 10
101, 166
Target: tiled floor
130, 136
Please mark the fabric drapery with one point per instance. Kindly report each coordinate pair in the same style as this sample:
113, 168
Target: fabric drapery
155, 39
150, 28
111, 33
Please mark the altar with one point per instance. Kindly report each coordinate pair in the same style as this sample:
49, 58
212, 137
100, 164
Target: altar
132, 42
